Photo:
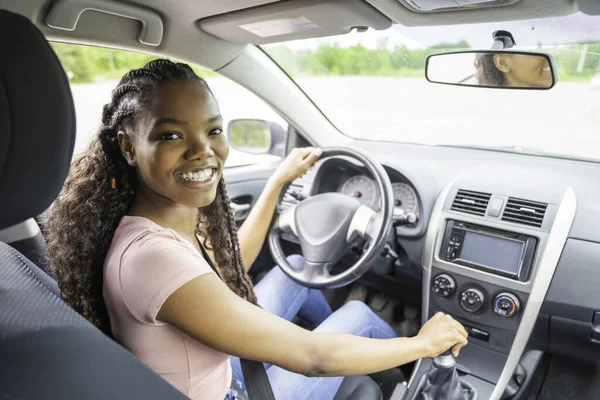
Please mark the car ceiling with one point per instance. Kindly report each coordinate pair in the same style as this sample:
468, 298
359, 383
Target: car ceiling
183, 22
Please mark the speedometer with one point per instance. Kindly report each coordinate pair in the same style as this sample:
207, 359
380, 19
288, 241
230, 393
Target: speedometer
405, 199
362, 189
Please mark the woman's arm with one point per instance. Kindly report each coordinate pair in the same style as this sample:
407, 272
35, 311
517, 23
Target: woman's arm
254, 230
206, 309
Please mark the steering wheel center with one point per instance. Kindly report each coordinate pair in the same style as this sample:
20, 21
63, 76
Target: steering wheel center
322, 224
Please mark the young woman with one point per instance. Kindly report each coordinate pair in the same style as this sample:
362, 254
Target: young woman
513, 70
144, 245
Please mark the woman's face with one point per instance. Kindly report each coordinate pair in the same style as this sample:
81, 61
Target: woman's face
522, 70
179, 148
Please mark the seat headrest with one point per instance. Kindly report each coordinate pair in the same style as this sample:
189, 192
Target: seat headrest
37, 121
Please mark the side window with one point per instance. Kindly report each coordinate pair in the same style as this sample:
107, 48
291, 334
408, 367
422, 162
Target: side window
255, 129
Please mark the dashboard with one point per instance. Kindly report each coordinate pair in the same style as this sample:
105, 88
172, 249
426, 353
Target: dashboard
364, 189
342, 175
506, 243
522, 201
525, 274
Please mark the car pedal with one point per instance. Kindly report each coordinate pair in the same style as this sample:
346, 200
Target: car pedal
358, 292
410, 312
378, 302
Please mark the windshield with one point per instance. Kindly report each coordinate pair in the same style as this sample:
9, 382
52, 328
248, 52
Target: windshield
372, 86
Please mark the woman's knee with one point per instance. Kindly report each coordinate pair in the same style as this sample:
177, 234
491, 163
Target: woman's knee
353, 317
355, 313
354, 309
361, 320
296, 261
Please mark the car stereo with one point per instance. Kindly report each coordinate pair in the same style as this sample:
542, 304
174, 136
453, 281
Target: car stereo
499, 252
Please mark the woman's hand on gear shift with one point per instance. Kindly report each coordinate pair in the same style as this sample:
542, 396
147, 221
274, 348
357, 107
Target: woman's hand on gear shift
441, 333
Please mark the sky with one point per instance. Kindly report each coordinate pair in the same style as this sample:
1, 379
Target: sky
572, 29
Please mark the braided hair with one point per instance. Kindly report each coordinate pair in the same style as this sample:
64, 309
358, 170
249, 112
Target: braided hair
99, 191
487, 72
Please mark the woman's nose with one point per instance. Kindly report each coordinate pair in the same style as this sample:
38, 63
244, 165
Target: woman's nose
199, 149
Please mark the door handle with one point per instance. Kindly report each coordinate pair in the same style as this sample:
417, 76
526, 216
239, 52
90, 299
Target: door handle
238, 209
65, 15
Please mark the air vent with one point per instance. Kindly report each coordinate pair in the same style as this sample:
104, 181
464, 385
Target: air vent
524, 212
471, 202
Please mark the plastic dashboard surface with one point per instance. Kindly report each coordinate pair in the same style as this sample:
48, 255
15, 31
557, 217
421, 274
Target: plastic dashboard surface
429, 169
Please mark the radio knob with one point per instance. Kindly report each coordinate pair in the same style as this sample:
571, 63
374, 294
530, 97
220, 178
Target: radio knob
444, 285
472, 300
506, 305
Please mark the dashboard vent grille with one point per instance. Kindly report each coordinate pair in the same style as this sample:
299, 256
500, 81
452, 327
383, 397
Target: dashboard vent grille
471, 202
524, 212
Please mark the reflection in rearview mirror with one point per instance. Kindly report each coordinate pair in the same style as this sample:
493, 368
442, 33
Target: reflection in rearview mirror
492, 68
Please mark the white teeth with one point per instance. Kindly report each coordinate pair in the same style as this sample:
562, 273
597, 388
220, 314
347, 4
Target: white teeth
198, 176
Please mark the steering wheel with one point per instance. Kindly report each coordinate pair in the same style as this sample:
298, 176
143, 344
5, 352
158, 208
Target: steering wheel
328, 225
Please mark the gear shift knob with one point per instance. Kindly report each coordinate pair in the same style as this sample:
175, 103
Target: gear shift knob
446, 359
442, 382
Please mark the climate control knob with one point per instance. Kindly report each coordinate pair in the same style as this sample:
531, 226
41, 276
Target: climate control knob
506, 305
472, 300
444, 285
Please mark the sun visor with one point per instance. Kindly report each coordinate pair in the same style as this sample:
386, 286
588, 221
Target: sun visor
292, 20
453, 5
589, 7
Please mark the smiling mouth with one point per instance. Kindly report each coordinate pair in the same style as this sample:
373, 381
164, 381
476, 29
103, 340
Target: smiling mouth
546, 69
203, 175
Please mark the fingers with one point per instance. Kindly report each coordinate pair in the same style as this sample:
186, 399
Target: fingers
455, 324
462, 342
310, 156
438, 315
456, 328
310, 152
460, 329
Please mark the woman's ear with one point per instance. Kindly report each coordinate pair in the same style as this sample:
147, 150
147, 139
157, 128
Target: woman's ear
502, 63
127, 148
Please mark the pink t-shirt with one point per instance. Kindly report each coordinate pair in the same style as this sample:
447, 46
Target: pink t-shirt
145, 265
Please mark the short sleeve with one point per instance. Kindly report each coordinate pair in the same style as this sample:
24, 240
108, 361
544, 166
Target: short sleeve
154, 267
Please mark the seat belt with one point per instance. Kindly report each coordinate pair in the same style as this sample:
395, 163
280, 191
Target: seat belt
257, 382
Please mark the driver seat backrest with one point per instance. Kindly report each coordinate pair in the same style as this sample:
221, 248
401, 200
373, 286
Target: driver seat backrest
47, 350
26, 237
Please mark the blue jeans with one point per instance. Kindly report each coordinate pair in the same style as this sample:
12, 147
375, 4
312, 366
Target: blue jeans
278, 294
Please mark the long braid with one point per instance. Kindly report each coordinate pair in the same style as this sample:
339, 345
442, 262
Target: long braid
99, 191
244, 279
224, 243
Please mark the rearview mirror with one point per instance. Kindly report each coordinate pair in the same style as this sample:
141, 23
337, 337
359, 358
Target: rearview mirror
492, 68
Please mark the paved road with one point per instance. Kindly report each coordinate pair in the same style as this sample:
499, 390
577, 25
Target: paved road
565, 119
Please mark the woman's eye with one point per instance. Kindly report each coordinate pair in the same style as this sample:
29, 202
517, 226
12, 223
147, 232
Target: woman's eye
217, 131
169, 136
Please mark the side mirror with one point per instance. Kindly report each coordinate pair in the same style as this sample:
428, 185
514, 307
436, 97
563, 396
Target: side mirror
492, 69
256, 136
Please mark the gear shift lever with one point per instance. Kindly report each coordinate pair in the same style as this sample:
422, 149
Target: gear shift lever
446, 359
442, 382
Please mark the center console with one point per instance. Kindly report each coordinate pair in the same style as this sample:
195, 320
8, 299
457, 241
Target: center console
500, 252
489, 264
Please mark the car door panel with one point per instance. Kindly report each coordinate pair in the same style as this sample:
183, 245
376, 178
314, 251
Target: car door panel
244, 186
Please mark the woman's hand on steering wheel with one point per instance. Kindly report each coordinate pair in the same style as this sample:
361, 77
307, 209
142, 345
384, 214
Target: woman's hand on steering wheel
296, 164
